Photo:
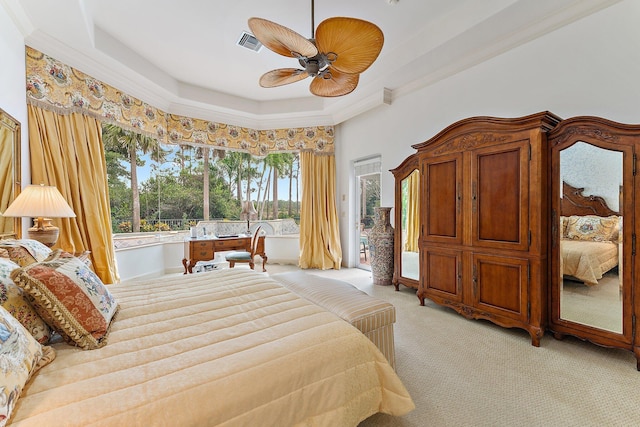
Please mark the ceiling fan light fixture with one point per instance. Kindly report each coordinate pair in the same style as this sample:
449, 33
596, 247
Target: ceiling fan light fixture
312, 68
341, 50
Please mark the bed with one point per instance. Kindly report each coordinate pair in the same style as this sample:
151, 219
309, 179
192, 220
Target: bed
229, 348
591, 235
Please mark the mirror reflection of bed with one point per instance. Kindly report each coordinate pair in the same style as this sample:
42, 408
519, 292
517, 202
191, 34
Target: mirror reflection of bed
591, 237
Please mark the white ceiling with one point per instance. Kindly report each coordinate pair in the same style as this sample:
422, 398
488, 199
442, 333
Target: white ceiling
183, 57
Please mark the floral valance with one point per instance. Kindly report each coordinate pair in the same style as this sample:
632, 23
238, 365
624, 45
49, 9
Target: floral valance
54, 85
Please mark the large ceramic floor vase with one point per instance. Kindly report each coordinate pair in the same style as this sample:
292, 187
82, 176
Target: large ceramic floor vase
381, 247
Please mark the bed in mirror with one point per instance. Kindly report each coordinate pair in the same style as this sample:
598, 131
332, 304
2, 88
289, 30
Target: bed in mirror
407, 224
10, 172
590, 253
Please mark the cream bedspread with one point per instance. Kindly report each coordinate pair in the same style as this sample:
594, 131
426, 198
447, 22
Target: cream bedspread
229, 348
586, 260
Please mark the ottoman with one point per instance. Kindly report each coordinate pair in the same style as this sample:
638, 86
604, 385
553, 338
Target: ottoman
372, 316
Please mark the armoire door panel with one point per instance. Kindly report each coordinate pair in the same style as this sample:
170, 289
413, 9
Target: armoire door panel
500, 199
500, 285
442, 201
443, 273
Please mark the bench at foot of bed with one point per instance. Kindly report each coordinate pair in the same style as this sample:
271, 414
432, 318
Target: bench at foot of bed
372, 316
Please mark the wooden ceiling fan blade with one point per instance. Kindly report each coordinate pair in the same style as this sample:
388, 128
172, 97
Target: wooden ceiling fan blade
357, 43
337, 85
281, 39
282, 76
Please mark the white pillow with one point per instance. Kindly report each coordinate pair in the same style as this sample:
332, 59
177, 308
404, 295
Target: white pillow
20, 357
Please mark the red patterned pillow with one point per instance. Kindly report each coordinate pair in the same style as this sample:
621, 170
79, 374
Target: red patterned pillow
70, 298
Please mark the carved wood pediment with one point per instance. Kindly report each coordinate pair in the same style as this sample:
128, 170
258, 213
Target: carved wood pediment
469, 142
578, 132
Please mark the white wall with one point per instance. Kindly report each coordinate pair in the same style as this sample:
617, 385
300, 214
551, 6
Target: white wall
595, 169
12, 85
590, 67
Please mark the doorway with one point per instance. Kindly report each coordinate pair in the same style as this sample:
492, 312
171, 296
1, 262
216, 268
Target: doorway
367, 173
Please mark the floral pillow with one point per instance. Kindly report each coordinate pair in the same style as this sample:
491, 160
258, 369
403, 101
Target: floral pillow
593, 228
70, 298
20, 357
14, 301
25, 251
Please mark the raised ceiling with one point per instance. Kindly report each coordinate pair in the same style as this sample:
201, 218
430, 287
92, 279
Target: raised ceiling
183, 57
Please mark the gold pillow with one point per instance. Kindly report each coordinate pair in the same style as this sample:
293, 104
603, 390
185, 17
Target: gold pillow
12, 298
593, 228
24, 251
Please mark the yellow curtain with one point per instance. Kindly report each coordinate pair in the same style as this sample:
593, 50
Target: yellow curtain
319, 232
67, 152
413, 212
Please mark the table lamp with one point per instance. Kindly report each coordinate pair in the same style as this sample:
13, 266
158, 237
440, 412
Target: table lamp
41, 202
247, 211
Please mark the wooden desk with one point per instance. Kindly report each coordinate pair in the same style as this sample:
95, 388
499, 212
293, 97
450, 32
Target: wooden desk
204, 249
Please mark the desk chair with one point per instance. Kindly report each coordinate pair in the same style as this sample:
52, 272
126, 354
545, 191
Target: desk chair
364, 245
244, 256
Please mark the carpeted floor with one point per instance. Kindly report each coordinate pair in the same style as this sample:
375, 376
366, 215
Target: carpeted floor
472, 373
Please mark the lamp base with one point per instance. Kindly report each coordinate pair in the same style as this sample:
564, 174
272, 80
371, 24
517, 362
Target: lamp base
47, 234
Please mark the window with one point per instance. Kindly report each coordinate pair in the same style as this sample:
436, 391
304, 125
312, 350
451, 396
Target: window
156, 187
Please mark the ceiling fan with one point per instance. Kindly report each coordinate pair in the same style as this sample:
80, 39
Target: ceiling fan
340, 51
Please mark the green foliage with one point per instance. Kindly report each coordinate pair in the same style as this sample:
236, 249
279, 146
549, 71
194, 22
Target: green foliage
173, 196
158, 226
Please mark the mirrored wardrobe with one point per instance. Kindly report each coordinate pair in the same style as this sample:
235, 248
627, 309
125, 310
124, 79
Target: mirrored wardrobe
592, 257
407, 224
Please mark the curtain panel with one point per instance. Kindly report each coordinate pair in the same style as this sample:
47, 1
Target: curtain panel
413, 212
67, 152
319, 228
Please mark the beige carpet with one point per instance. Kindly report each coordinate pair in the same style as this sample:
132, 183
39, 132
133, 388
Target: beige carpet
472, 373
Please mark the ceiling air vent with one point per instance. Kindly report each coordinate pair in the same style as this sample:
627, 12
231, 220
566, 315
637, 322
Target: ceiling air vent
249, 41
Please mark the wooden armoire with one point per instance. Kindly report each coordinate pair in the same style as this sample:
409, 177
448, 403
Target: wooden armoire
483, 216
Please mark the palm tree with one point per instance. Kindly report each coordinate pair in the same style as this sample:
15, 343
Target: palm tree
233, 164
273, 165
127, 144
291, 170
203, 152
